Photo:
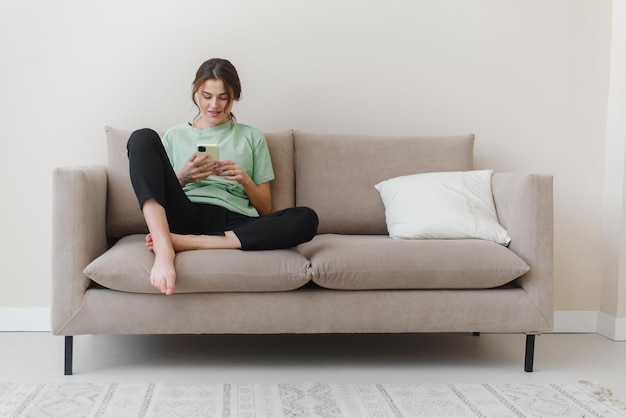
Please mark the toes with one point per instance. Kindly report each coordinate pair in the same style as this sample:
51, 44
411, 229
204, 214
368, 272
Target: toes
165, 286
149, 242
169, 286
159, 285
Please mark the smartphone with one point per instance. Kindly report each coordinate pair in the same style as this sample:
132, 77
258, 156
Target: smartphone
212, 150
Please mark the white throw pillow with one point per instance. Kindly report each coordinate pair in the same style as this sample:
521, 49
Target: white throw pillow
442, 205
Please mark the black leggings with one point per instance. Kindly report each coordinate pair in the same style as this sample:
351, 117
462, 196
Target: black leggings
153, 177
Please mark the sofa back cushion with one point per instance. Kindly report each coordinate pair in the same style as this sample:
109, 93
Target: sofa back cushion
123, 214
336, 174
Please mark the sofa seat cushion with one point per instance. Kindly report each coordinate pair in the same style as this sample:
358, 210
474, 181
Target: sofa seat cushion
126, 267
351, 262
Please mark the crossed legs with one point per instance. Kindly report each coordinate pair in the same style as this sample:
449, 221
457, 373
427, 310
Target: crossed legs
166, 208
165, 244
155, 182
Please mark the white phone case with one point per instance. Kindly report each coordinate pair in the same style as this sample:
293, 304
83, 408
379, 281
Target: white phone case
212, 150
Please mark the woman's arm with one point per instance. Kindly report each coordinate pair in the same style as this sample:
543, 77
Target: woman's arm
260, 196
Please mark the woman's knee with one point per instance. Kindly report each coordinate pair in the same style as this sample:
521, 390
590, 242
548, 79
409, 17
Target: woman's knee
142, 138
309, 220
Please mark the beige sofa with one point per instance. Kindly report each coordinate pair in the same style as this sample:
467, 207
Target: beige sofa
352, 278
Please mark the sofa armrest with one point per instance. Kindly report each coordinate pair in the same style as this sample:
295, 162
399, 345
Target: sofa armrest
524, 204
78, 236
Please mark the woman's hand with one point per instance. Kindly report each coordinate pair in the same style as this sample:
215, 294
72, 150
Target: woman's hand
197, 169
230, 170
260, 195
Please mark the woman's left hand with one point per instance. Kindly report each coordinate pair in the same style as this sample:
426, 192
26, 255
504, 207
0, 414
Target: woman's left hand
260, 195
230, 170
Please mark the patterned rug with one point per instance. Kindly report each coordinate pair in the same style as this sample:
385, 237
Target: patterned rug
307, 400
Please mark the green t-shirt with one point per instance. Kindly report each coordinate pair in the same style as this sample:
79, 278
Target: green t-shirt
240, 143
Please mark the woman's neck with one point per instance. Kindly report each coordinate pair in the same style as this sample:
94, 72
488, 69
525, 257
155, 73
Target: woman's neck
202, 123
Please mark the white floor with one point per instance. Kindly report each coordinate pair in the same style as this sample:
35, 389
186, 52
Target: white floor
425, 358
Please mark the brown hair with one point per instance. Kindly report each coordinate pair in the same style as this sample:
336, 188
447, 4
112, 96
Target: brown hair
217, 69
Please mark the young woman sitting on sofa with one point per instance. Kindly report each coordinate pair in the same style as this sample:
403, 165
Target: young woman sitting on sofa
191, 202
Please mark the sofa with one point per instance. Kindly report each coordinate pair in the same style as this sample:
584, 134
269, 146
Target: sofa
353, 277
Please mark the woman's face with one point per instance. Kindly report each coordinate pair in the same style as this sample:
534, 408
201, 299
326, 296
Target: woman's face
215, 103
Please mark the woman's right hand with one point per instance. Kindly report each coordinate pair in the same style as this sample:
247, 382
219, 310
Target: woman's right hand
197, 169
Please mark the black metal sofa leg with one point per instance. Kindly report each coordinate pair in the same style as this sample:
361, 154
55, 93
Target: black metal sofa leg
530, 353
528, 360
69, 352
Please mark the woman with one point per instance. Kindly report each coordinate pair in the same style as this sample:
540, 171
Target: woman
190, 202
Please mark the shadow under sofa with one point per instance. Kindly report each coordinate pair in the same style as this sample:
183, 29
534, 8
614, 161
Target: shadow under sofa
351, 278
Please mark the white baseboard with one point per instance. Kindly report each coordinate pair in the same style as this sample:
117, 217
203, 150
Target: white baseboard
590, 322
38, 320
612, 327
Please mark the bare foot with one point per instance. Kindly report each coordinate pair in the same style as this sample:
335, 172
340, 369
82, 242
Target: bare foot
198, 242
205, 242
179, 242
163, 274
185, 242
149, 242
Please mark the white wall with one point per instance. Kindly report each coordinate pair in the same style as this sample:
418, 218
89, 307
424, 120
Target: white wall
528, 77
614, 216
